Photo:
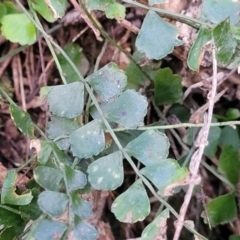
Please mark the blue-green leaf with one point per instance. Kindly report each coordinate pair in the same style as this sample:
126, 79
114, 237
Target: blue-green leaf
58, 7
48, 178
75, 178
112, 8
149, 148
105, 106
128, 110
106, 173
83, 231
45, 152
67, 100
81, 207
165, 175
217, 11
156, 38
88, 140
157, 227
53, 203
108, 82
152, 2
59, 126
133, 205
48, 230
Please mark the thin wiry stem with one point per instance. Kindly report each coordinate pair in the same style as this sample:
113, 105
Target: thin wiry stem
180, 125
171, 15
174, 133
89, 101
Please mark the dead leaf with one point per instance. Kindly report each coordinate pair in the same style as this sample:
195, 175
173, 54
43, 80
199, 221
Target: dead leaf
21, 178
36, 144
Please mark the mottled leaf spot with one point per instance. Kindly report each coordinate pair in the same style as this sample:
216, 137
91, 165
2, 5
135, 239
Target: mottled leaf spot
84, 144
100, 180
116, 175
67, 100
106, 173
95, 168
128, 217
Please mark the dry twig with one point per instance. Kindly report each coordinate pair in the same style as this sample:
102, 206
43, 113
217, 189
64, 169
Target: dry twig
196, 116
5, 64
126, 24
200, 143
42, 63
86, 19
220, 77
